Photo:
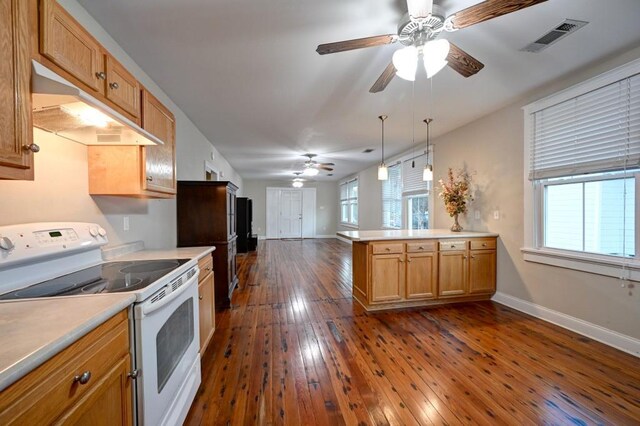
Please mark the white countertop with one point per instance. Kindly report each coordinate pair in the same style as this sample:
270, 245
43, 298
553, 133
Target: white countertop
408, 234
32, 331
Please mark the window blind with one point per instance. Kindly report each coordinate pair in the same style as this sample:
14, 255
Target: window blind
598, 131
412, 182
392, 197
344, 191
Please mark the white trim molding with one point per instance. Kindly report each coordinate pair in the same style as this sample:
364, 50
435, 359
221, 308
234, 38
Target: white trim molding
344, 240
611, 338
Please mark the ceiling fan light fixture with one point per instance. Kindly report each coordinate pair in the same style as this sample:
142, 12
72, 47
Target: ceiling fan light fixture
310, 171
434, 56
297, 184
405, 61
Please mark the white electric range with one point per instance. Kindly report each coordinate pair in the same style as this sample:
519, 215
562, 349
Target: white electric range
64, 259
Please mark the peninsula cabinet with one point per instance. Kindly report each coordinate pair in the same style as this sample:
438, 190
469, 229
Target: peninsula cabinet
206, 302
16, 133
409, 273
86, 383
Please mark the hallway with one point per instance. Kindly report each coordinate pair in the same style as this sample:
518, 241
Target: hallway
296, 349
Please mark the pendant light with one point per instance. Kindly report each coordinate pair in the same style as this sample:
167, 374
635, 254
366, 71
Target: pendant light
427, 173
383, 171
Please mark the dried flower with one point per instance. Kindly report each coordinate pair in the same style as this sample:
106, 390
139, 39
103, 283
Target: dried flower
455, 192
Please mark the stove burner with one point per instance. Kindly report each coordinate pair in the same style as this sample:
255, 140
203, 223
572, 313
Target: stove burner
151, 266
109, 277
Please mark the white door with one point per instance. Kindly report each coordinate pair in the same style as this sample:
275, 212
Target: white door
290, 213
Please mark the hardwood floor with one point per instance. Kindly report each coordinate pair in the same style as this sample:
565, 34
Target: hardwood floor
296, 349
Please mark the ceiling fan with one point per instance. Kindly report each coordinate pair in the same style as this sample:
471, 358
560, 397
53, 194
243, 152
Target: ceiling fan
419, 31
312, 167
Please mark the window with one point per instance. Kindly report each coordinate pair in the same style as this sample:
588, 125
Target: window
392, 198
349, 202
584, 172
415, 193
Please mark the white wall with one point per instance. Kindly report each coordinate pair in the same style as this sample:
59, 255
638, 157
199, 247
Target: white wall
60, 188
326, 204
492, 148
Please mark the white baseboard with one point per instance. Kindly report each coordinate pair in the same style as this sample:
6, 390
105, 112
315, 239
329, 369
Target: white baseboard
326, 236
612, 338
344, 240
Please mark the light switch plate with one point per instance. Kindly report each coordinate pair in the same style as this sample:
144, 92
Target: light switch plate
476, 215
125, 223
496, 214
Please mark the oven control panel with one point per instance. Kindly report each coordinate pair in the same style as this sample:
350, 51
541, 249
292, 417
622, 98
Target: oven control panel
32, 241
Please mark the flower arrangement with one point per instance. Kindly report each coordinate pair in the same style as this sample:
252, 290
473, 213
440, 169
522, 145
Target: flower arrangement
455, 193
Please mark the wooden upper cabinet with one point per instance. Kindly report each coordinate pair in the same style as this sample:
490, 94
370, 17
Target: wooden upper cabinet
160, 171
122, 88
68, 45
16, 133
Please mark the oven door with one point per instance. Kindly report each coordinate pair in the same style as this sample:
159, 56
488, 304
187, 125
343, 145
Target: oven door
167, 345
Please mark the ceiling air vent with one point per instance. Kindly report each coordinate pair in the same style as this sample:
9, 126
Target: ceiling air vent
562, 30
368, 150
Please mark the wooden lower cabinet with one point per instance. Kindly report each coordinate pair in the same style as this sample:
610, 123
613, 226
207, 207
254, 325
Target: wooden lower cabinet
206, 306
86, 383
387, 277
395, 274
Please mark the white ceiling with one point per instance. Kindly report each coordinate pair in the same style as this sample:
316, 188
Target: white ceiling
247, 74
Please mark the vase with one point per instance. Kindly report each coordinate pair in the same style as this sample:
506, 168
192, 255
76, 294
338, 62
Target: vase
456, 226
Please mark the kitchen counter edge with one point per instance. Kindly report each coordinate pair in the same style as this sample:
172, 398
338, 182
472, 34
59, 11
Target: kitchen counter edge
402, 234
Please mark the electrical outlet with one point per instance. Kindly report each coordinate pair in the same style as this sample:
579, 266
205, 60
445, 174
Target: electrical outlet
125, 223
496, 214
476, 215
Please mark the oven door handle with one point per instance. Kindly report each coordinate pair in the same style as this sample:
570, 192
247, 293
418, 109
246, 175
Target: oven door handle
151, 307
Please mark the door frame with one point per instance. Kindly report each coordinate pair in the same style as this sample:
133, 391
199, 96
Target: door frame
272, 205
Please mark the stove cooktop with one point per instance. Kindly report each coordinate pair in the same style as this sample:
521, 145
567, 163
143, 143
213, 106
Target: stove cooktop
109, 277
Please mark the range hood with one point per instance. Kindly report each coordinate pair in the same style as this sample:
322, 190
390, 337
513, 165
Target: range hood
60, 107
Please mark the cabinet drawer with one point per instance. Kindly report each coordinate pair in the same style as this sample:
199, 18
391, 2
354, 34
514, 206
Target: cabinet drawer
420, 247
453, 245
45, 393
386, 248
206, 265
483, 244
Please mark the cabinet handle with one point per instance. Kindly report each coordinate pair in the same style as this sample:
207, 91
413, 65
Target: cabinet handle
199, 297
134, 374
388, 249
473, 257
114, 85
453, 246
464, 257
32, 147
149, 178
83, 378
401, 261
409, 260
207, 269
484, 244
420, 248
101, 75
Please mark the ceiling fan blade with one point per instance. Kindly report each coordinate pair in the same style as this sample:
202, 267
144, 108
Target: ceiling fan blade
384, 79
488, 9
359, 43
329, 169
463, 63
419, 8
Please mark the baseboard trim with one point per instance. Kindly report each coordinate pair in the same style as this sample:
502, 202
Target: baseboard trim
326, 236
612, 338
344, 240
263, 237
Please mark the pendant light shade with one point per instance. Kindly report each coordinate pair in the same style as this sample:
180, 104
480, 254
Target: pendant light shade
383, 172
310, 171
434, 56
427, 173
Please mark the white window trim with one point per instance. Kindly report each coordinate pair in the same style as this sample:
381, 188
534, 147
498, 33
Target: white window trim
350, 224
612, 266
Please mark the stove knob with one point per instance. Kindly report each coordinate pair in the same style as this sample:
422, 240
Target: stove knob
93, 231
102, 232
6, 243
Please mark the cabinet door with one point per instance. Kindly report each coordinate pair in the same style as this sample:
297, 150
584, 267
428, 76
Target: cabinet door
206, 308
387, 277
64, 42
422, 275
159, 160
452, 273
122, 88
482, 271
16, 132
108, 404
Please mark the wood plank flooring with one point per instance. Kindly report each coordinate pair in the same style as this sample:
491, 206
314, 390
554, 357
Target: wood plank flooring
295, 349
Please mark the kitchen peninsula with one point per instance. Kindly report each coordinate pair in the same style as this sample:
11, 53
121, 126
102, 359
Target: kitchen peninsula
409, 268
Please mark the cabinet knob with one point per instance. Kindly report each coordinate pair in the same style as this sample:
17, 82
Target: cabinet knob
134, 374
388, 249
32, 147
114, 85
464, 257
473, 257
83, 378
453, 246
484, 244
199, 297
401, 261
409, 260
101, 75
149, 178
420, 248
